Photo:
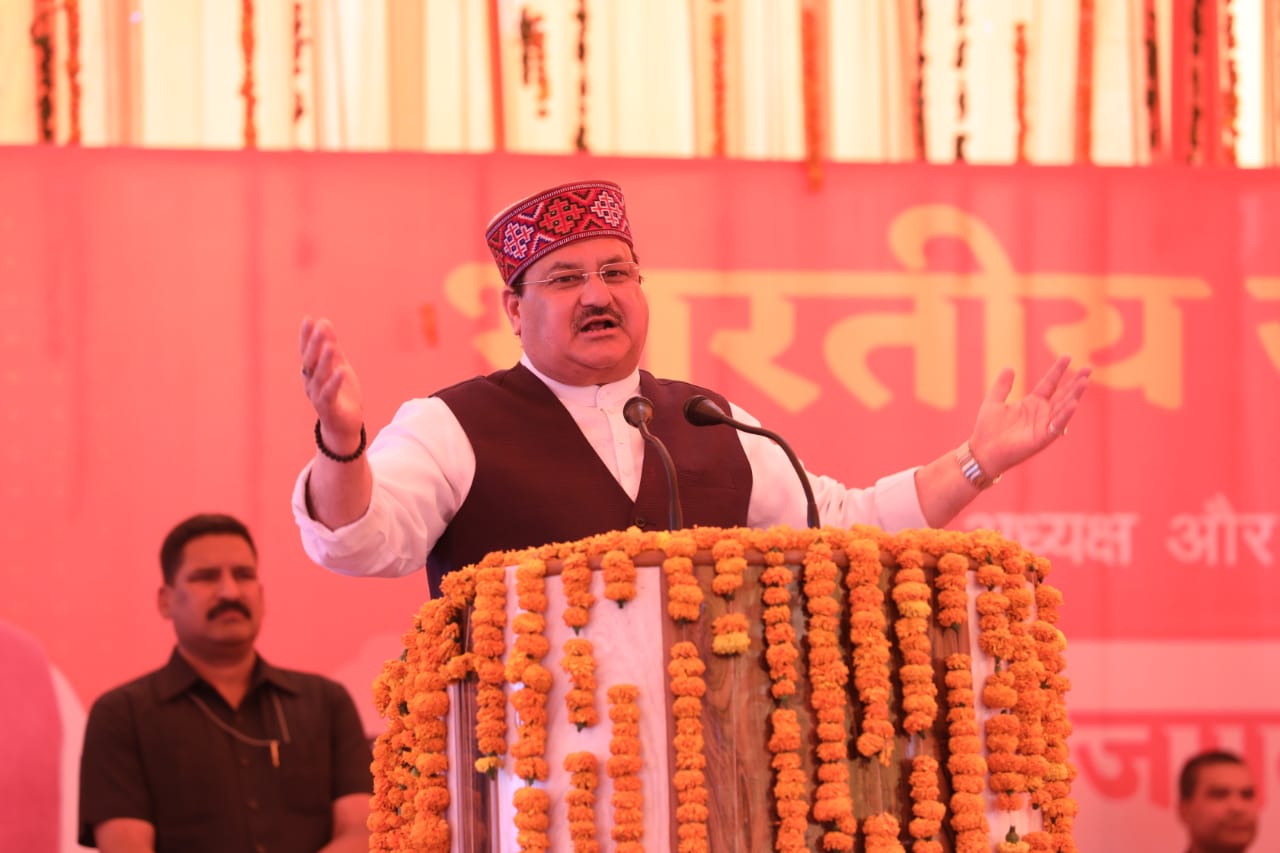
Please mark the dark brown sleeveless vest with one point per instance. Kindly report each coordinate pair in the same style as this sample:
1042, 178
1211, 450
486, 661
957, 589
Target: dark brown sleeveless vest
538, 479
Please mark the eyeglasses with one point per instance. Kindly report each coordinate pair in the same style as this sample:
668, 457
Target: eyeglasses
614, 275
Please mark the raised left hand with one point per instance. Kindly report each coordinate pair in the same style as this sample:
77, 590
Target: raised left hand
1005, 433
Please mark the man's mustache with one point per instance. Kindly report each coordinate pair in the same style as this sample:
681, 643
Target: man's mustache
223, 606
596, 313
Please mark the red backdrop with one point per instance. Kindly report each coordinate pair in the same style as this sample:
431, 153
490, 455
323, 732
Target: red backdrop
148, 336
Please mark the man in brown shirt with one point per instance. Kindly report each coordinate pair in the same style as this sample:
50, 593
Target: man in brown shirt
218, 750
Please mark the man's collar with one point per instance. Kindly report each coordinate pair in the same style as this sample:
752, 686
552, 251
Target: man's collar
609, 395
177, 677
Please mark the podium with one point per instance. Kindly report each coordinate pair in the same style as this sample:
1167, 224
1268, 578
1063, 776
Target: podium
732, 689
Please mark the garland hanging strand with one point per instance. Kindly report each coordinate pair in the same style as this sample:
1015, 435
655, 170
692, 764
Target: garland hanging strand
917, 98
581, 141
1020, 98
247, 87
719, 146
42, 41
1153, 74
299, 41
1084, 84
73, 67
809, 35
1197, 60
533, 59
1230, 98
961, 104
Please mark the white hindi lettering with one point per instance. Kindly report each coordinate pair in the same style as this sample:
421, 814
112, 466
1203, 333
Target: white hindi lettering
1101, 537
1214, 537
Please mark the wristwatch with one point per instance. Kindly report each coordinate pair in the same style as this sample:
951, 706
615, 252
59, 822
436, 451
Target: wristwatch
972, 470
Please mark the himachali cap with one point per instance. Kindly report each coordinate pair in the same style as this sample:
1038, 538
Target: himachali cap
529, 229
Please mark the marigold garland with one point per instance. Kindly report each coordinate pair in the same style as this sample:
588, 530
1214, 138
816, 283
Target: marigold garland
730, 634
533, 57
489, 646
524, 668
1026, 742
575, 579
1020, 89
882, 834
926, 805
779, 634
684, 595
584, 779
623, 767
580, 141
42, 39
828, 675
911, 594
247, 87
871, 653
619, 576
688, 687
966, 765
719, 148
72, 8
962, 106
580, 665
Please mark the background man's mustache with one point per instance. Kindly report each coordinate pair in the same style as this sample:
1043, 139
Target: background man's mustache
224, 606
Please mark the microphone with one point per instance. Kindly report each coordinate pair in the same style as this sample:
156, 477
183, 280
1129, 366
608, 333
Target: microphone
638, 412
702, 411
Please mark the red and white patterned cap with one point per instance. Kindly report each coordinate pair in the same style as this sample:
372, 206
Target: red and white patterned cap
544, 222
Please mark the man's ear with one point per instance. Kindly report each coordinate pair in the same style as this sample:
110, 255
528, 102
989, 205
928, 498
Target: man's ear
511, 304
162, 601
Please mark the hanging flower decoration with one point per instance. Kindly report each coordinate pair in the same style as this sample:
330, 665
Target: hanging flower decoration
811, 67
1084, 84
911, 594
967, 766
533, 57
526, 673
730, 634
1151, 51
1026, 739
247, 87
300, 42
584, 779
1230, 93
688, 687
871, 652
926, 805
882, 834
828, 675
580, 665
619, 576
917, 87
575, 578
684, 596
719, 75
580, 141
1020, 89
72, 8
952, 581
624, 768
779, 634
489, 645
962, 107
42, 27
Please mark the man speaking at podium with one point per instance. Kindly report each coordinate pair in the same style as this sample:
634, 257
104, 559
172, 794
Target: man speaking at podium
542, 452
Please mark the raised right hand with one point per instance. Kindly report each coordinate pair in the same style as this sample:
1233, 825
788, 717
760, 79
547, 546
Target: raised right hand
331, 385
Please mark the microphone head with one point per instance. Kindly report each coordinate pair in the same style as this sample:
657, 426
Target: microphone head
638, 411
702, 411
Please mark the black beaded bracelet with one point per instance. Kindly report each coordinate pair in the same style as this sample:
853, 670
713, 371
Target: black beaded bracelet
351, 457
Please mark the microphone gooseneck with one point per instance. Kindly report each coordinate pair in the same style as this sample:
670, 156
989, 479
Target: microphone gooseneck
638, 411
702, 411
